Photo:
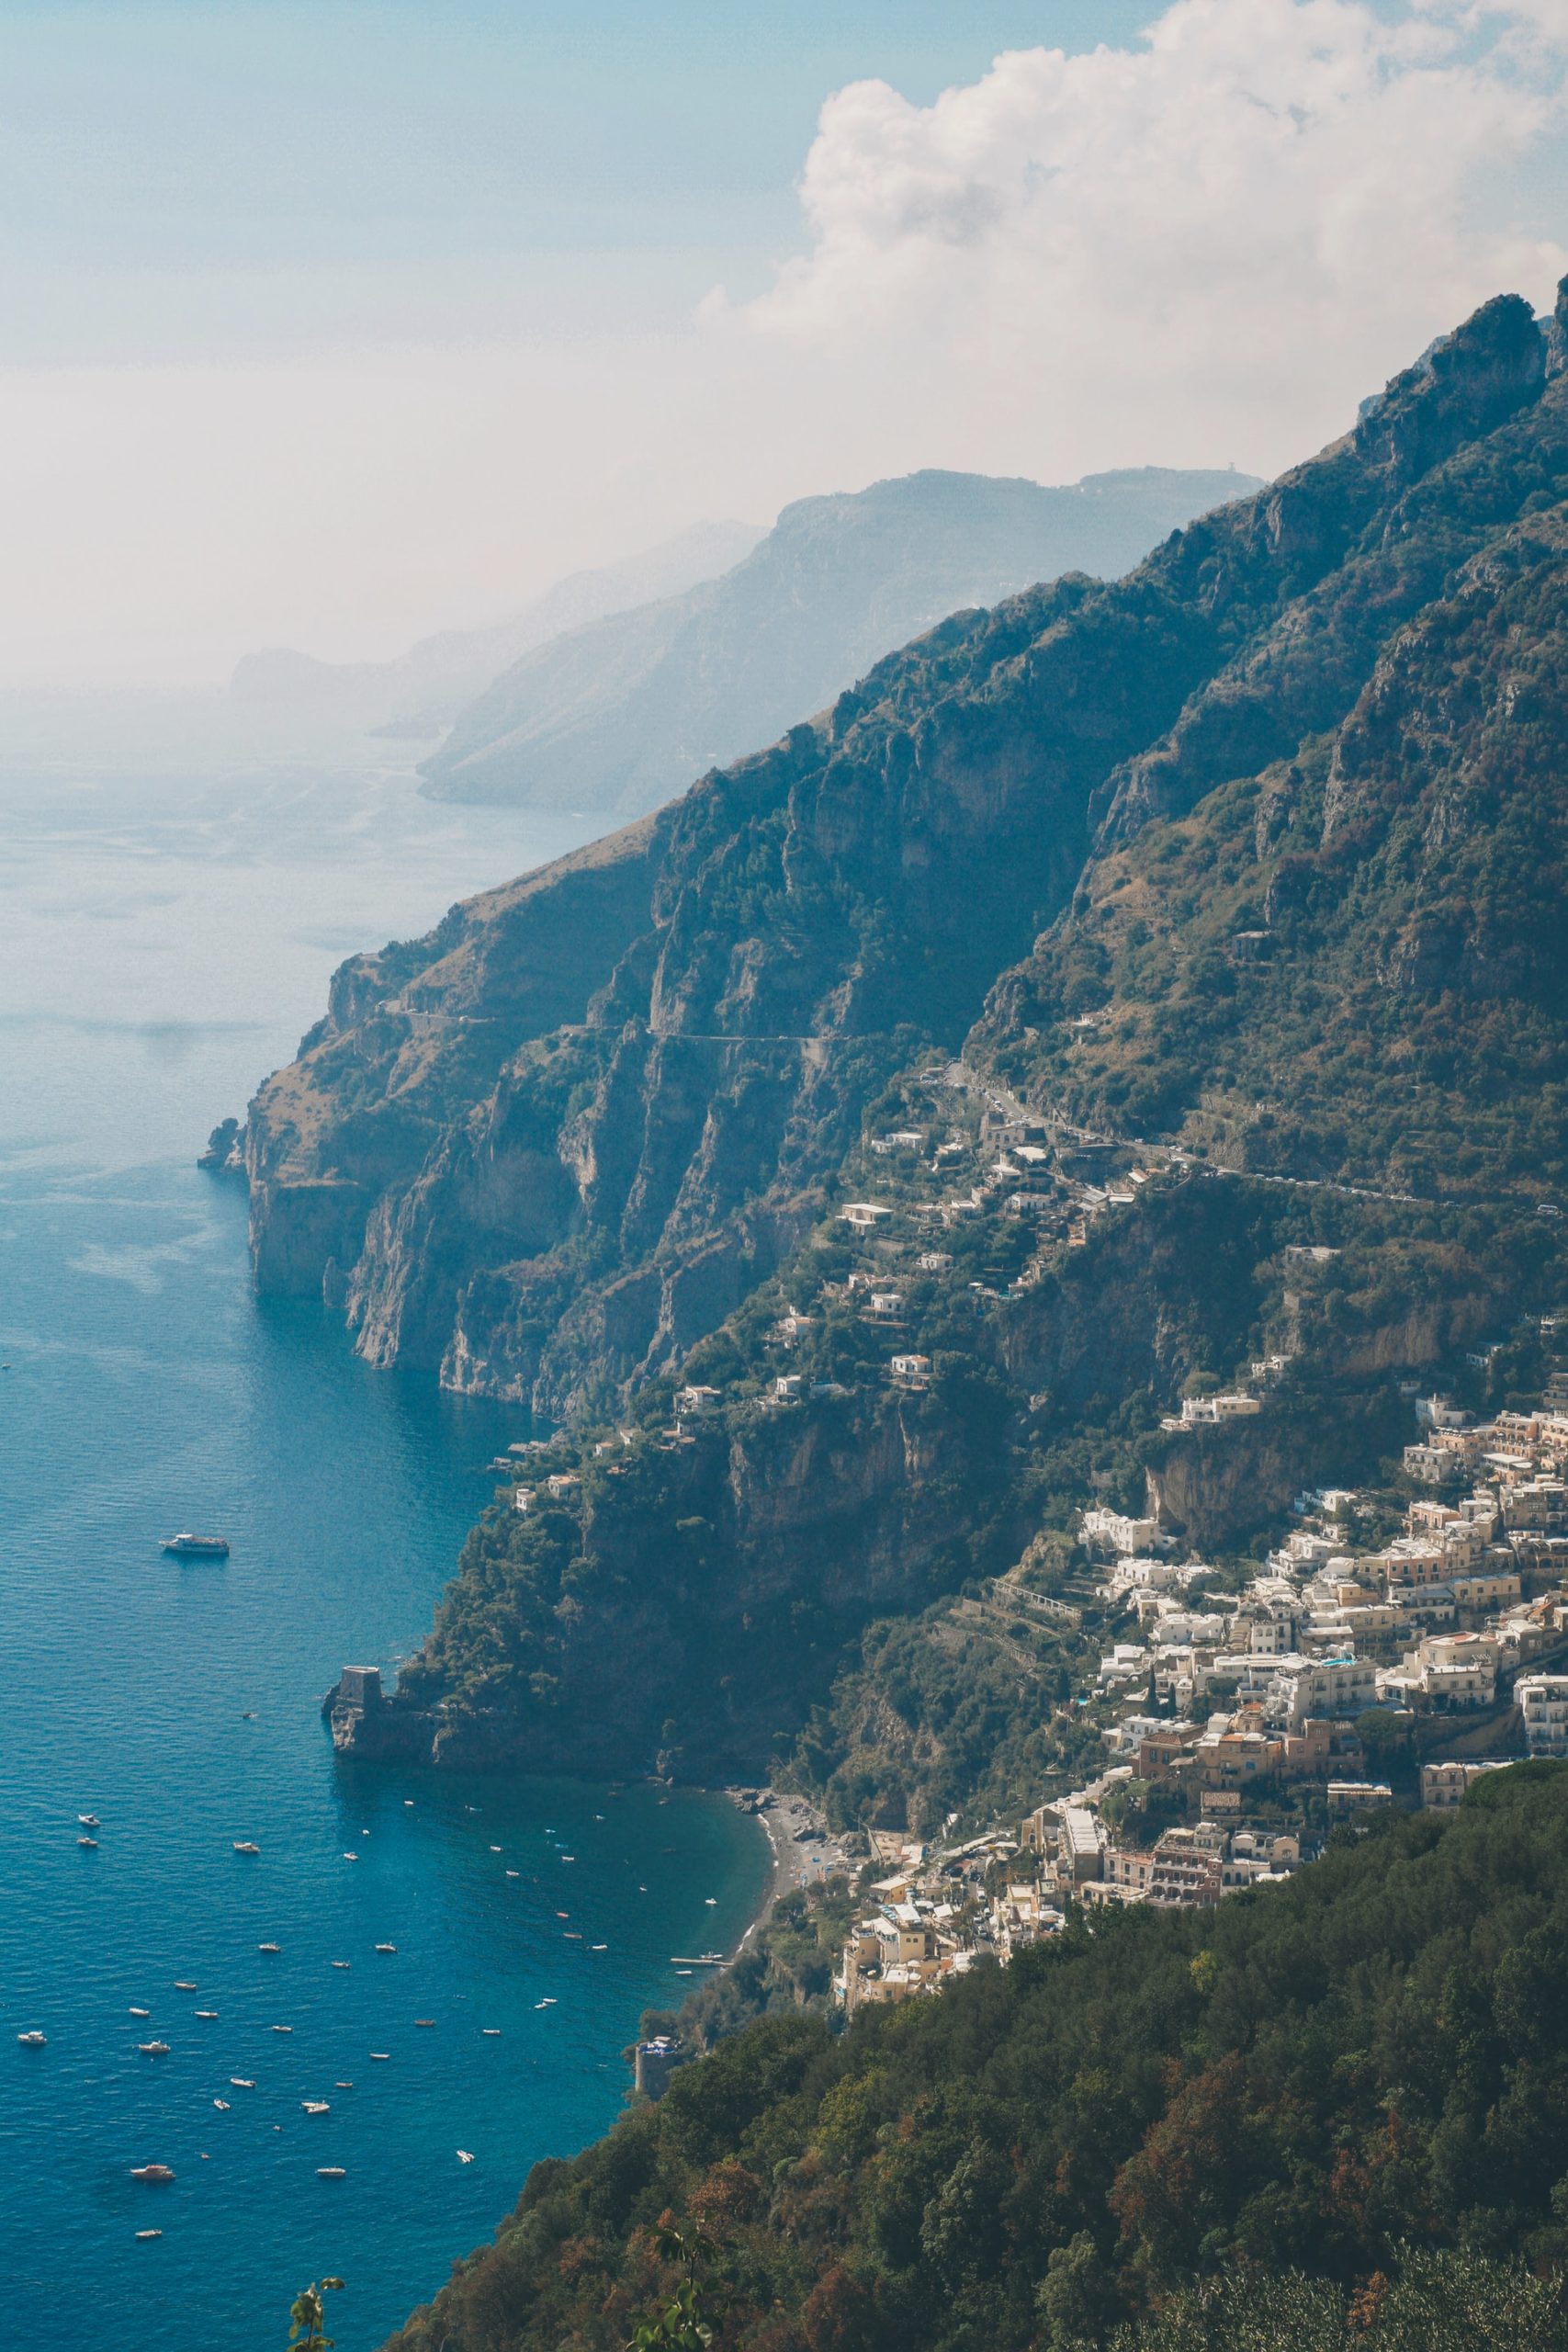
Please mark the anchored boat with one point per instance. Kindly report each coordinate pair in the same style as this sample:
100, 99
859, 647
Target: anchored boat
187, 1547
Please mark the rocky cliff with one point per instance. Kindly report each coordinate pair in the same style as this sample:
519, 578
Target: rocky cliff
545, 1150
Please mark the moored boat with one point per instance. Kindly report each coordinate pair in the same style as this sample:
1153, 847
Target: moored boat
187, 1547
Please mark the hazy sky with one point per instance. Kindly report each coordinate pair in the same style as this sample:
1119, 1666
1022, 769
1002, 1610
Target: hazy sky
329, 324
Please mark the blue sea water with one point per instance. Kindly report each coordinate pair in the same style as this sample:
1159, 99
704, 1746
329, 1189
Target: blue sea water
163, 941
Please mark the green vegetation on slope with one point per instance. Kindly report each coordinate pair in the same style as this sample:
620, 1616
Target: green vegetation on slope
1372, 2056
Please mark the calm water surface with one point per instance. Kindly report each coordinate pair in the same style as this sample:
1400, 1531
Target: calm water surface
163, 941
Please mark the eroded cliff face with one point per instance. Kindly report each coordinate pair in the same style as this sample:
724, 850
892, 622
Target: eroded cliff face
547, 1150
685, 1603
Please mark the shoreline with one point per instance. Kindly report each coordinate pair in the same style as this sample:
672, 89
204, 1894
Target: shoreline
802, 1850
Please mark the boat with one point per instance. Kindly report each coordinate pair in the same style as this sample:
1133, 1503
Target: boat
343, 2086
150, 2172
222, 2103
381, 2055
206, 2013
89, 1820
343, 1963
386, 1947
244, 1846
425, 2020
184, 1985
283, 2028
598, 1947
241, 2083
87, 1841
149, 2234
141, 2013
32, 2040
351, 1858
153, 2048
491, 2032
269, 1947
187, 1547
316, 2105
465, 2155
330, 2172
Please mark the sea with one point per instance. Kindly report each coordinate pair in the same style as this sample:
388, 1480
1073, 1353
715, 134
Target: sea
447, 1968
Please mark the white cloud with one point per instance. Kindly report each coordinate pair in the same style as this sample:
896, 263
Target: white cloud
1218, 240
1207, 245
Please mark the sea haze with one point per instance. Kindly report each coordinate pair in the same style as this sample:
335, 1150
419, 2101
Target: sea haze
163, 940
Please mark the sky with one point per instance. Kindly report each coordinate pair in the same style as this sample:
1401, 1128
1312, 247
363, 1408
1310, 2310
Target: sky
327, 325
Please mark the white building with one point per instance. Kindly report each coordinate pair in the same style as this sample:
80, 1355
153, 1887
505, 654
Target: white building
1542, 1699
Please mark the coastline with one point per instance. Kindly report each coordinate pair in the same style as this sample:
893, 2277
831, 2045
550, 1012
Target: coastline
802, 1850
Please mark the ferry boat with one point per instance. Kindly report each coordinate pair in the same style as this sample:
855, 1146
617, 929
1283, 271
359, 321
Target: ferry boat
187, 1547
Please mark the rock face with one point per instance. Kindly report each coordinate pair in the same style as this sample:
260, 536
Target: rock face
621, 716
550, 1146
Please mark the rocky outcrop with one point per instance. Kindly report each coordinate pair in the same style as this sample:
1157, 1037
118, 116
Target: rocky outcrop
545, 1150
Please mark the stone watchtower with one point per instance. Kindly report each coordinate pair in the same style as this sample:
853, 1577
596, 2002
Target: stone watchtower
356, 1693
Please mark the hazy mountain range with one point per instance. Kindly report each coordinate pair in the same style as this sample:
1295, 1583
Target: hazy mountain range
419, 691
625, 712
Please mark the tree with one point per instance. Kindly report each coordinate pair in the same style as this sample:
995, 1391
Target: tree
686, 2322
307, 2315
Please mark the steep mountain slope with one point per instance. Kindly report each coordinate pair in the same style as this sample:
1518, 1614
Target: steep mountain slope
550, 1146
423, 688
621, 716
1340, 2075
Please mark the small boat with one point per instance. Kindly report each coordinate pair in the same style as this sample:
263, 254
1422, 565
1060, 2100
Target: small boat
283, 2028
598, 1947
187, 1547
465, 2155
184, 1985
86, 1841
351, 1858
343, 1963
141, 2013
330, 2172
247, 1717
222, 2103
89, 1820
496, 1849
150, 2172
33, 2041
343, 2086
153, 2048
425, 2020
149, 2234
241, 2083
571, 1935
244, 1846
316, 2105
712, 1902
380, 2056
206, 2013
493, 2032
269, 1947
386, 1947
514, 1873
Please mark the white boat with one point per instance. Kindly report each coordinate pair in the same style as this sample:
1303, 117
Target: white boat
245, 1846
330, 2172
283, 2028
206, 2013
222, 2103
269, 1947
343, 1963
33, 2039
386, 1947
241, 2083
381, 2055
465, 2155
86, 1841
153, 2048
149, 2234
316, 2105
493, 2032
351, 1858
88, 1821
184, 1985
150, 2172
141, 2013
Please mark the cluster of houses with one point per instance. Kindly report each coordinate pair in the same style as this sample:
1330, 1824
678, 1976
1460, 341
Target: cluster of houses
1215, 1696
